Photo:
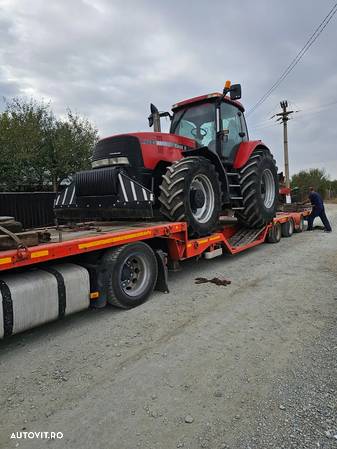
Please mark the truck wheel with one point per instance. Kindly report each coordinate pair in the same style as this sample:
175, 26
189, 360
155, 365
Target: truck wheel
300, 225
131, 274
275, 233
287, 228
191, 192
259, 188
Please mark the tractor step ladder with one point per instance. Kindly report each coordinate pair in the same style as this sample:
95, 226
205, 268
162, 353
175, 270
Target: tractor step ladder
244, 237
235, 194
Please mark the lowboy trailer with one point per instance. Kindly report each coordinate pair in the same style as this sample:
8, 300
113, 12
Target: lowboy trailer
116, 263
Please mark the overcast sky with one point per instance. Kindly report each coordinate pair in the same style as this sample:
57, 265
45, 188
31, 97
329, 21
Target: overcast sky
108, 59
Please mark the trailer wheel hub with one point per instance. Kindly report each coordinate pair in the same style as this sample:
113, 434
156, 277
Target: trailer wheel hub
134, 275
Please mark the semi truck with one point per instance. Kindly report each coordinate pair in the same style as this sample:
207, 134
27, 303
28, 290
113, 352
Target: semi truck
150, 201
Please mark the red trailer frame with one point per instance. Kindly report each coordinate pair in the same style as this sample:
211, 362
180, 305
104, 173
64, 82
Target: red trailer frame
180, 247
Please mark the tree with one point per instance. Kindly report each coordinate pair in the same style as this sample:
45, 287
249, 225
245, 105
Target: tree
333, 188
38, 150
314, 177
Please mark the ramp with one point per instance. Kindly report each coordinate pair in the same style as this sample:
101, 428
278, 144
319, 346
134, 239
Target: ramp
244, 237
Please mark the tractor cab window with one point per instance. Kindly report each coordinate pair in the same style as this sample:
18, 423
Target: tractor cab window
231, 123
196, 122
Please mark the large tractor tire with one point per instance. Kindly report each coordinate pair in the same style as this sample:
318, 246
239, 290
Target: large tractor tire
191, 192
259, 188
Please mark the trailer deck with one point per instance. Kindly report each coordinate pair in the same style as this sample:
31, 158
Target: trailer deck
93, 236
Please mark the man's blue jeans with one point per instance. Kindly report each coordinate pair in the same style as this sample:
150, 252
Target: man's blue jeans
321, 214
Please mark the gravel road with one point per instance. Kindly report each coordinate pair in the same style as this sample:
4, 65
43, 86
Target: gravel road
249, 365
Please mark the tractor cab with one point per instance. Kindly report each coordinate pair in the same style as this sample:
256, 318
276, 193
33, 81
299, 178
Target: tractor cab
214, 121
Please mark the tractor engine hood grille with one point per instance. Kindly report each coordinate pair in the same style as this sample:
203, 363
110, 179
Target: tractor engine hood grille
124, 146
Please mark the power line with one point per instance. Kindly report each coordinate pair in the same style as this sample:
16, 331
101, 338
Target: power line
264, 123
263, 126
318, 108
297, 58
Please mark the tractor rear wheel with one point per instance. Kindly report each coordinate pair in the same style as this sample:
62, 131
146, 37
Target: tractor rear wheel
191, 192
259, 188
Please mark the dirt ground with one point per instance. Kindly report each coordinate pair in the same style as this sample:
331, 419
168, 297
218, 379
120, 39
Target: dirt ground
249, 365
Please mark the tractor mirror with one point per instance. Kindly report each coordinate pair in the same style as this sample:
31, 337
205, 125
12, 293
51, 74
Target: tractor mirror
235, 91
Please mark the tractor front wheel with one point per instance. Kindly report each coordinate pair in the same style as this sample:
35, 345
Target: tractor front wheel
191, 192
259, 187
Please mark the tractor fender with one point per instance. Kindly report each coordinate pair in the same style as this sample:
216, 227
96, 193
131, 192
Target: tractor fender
214, 158
245, 150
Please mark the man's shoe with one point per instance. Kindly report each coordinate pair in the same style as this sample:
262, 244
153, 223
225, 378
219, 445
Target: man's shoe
325, 230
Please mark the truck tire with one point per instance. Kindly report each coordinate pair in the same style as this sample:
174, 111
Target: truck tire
259, 188
300, 226
131, 274
275, 233
287, 228
191, 192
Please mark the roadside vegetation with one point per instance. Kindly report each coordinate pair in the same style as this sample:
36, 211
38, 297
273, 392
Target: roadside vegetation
317, 178
38, 149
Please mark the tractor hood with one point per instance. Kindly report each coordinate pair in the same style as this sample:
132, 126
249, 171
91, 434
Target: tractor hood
142, 149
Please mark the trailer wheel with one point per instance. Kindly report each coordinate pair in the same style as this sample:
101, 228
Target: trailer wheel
300, 226
275, 233
287, 228
131, 274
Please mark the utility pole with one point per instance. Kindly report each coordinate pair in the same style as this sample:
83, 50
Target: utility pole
284, 117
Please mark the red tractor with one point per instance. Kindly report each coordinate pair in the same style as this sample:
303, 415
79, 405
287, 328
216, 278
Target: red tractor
205, 167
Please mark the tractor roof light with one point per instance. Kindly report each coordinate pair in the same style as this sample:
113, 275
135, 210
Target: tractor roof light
227, 88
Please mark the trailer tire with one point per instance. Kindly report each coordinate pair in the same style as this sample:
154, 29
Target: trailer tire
287, 228
300, 226
131, 274
275, 233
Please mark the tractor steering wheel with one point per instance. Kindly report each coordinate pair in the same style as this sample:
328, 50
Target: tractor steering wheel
202, 132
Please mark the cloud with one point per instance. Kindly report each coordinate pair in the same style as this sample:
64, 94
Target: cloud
109, 60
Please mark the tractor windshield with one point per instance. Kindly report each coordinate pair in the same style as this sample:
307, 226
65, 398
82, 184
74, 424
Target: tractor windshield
196, 122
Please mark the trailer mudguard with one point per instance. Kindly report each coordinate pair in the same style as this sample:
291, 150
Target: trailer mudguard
245, 150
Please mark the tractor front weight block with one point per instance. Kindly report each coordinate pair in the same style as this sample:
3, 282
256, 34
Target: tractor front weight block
127, 198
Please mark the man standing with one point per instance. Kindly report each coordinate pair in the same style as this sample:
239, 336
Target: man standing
317, 211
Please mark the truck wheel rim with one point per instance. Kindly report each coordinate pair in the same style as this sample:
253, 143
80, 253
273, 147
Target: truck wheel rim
134, 276
203, 213
267, 188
